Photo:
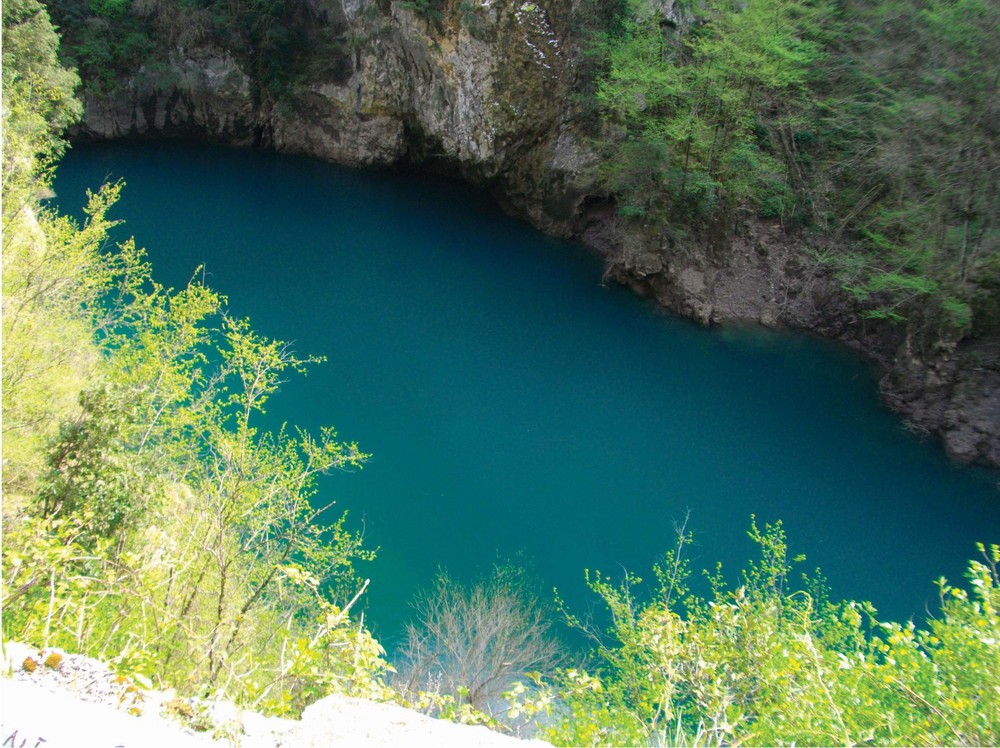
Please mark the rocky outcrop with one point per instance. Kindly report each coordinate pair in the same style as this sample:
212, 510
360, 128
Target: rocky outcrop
203, 91
764, 276
60, 700
969, 427
759, 276
482, 92
954, 392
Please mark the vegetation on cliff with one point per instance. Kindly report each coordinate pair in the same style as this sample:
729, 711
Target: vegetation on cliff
279, 44
873, 125
866, 130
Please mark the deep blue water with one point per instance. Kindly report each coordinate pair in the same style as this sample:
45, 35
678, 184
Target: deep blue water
514, 404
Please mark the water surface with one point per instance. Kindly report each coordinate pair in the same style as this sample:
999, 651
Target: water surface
515, 405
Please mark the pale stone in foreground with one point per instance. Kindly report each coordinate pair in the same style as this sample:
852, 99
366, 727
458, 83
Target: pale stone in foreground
36, 718
368, 723
79, 703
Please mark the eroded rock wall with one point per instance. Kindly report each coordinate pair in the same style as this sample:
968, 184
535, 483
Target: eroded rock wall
942, 388
483, 92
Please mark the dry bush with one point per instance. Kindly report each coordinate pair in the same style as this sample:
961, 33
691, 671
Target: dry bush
474, 641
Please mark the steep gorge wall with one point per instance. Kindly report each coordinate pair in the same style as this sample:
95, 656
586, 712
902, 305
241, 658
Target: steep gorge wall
485, 90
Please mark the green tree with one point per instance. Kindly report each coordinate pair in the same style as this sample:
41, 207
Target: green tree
38, 258
770, 662
38, 104
147, 518
167, 448
711, 106
910, 113
55, 276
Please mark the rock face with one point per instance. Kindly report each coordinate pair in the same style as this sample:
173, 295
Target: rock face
203, 91
484, 90
953, 392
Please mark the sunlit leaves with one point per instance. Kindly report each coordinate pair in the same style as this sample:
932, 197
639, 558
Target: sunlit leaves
703, 97
38, 103
147, 514
767, 664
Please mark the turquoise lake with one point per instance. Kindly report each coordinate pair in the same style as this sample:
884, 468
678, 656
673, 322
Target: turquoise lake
514, 405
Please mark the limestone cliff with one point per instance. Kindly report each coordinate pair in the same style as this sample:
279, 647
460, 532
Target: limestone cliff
486, 90
483, 91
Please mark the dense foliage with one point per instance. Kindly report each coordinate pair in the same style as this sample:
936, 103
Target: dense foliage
147, 517
871, 124
770, 663
278, 42
700, 113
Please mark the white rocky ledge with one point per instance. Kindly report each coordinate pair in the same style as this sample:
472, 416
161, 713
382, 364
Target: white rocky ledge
76, 702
